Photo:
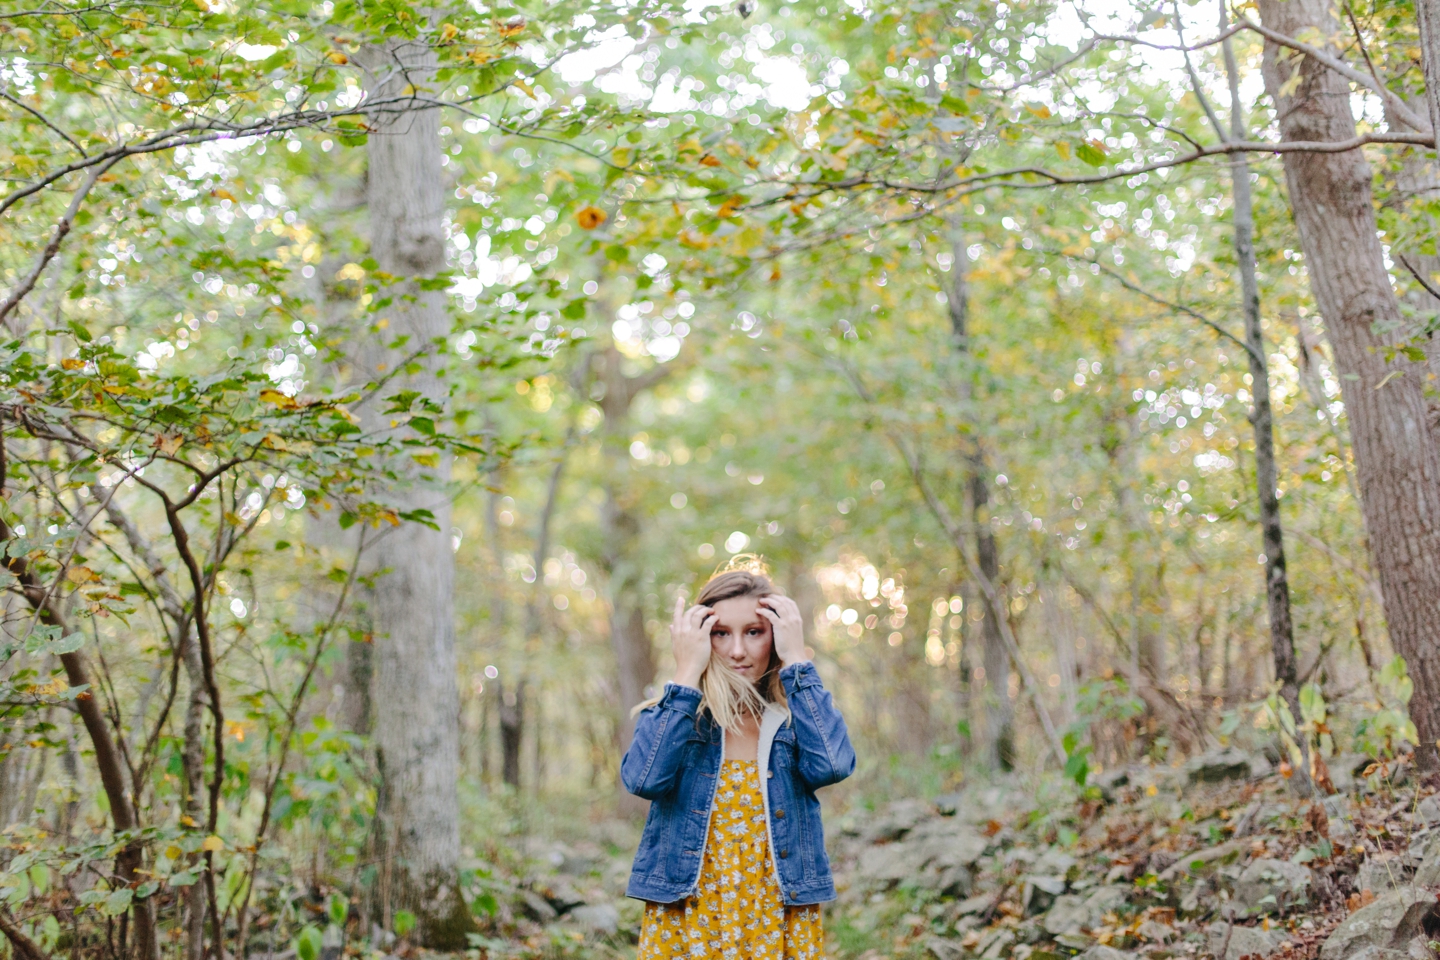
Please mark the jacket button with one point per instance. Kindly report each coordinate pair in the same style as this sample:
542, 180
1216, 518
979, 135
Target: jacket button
783, 855
779, 814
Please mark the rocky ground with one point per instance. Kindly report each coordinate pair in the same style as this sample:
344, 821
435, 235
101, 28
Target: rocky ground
1219, 858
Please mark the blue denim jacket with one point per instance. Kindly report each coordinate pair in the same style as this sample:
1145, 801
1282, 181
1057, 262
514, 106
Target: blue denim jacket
675, 760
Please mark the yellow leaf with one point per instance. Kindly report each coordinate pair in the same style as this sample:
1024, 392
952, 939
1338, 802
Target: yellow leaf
512, 27
1062, 148
212, 844
1039, 110
272, 442
529, 90
71, 363
351, 271
168, 444
335, 56
276, 398
174, 852
186, 820
448, 32
710, 160
223, 194
728, 208
81, 574
478, 56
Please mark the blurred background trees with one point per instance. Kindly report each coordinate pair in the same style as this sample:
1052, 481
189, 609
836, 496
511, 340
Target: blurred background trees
378, 375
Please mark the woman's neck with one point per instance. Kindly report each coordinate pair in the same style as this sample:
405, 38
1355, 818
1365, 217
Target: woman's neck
742, 741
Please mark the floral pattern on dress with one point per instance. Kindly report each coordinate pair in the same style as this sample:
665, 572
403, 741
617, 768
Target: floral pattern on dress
738, 912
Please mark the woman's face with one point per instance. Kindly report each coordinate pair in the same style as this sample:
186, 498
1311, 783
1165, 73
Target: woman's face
741, 637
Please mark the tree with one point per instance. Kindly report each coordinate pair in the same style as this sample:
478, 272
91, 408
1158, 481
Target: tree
414, 698
1396, 449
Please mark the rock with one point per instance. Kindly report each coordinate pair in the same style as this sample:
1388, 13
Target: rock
1219, 765
976, 904
1203, 861
1428, 873
1102, 952
600, 918
1040, 892
1155, 932
1056, 862
1268, 886
1244, 941
1073, 913
1068, 914
1378, 876
536, 906
949, 843
897, 819
1389, 923
1428, 810
942, 949
887, 864
995, 943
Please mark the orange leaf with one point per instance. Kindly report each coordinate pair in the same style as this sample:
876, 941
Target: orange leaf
590, 217
710, 160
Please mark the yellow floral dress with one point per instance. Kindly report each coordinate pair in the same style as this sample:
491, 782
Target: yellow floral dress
738, 912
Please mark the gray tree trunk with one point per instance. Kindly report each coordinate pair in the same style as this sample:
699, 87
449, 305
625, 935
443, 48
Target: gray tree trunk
999, 741
1262, 420
1395, 449
634, 653
415, 699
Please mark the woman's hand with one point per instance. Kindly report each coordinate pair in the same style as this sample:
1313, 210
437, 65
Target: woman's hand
690, 640
787, 626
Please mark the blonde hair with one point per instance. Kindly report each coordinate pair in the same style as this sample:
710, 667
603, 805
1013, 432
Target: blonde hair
726, 694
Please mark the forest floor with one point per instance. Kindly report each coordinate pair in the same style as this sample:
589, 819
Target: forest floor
1218, 857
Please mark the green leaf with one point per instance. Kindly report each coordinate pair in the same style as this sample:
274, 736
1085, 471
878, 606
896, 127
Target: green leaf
339, 909
404, 923
309, 943
1088, 152
118, 902
183, 879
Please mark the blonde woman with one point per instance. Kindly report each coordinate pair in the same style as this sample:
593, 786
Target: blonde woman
732, 861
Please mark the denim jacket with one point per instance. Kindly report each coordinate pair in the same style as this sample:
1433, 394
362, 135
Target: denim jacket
674, 761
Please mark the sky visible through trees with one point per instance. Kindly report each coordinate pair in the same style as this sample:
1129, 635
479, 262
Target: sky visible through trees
375, 376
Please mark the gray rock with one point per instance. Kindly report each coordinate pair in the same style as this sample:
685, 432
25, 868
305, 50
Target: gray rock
536, 906
1378, 876
1244, 941
995, 943
1073, 913
942, 949
896, 820
1218, 765
1204, 861
1268, 886
1068, 914
1102, 952
1156, 932
1389, 923
1428, 810
1040, 892
887, 864
600, 918
976, 904
1428, 873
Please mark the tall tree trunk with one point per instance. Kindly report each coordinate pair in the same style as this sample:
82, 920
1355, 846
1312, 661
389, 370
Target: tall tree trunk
1262, 419
512, 732
1427, 13
999, 742
1395, 448
415, 698
634, 653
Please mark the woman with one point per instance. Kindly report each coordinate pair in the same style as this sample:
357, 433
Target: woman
732, 861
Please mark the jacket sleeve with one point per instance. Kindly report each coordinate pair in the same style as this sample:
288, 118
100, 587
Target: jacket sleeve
826, 756
651, 767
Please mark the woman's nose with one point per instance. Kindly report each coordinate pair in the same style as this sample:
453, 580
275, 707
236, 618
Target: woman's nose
731, 648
